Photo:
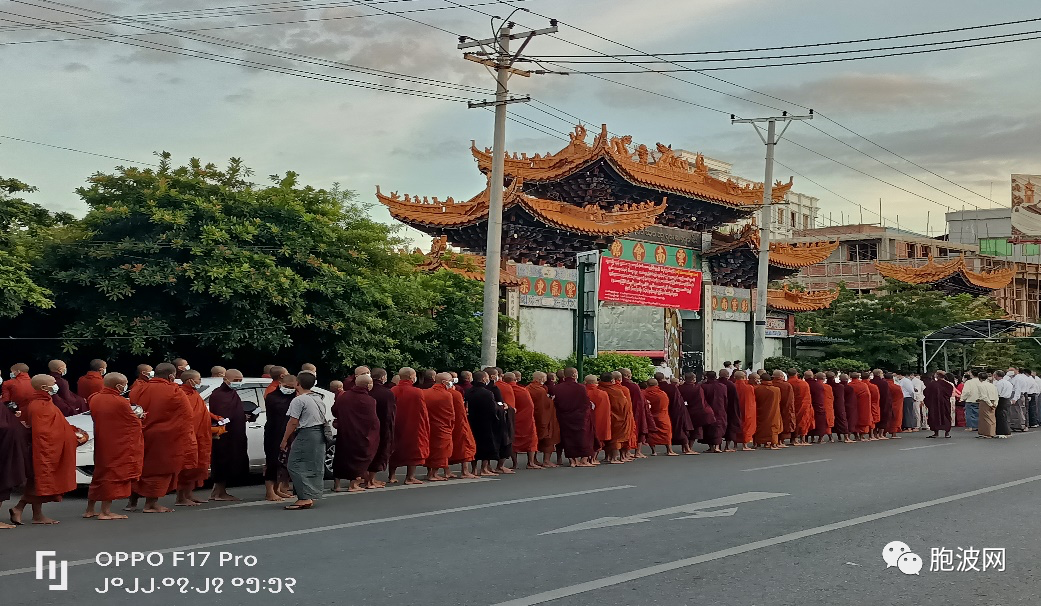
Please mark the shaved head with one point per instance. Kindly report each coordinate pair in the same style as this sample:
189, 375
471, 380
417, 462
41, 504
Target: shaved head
42, 382
114, 378
56, 365
98, 365
379, 374
289, 380
617, 376
407, 374
652, 382
592, 380
626, 373
738, 375
362, 370
20, 368
570, 373
365, 380
191, 375
218, 371
165, 371
466, 375
277, 372
308, 367
443, 377
509, 377
233, 375
143, 369
337, 385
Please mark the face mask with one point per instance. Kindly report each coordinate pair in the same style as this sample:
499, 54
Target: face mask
13, 374
53, 389
63, 371
186, 367
151, 374
287, 390
103, 371
235, 385
125, 389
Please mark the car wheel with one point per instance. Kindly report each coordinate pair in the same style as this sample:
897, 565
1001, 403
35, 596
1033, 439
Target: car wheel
330, 452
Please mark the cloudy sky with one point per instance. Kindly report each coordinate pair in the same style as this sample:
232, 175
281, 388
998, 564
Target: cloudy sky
969, 115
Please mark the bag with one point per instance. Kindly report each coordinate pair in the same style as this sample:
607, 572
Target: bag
327, 428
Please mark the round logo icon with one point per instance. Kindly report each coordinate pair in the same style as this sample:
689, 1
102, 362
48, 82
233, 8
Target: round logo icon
660, 255
555, 288
540, 287
681, 257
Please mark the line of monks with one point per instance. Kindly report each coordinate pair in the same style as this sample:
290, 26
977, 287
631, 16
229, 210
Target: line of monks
162, 438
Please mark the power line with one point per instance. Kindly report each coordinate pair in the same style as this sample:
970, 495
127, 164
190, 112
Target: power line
78, 151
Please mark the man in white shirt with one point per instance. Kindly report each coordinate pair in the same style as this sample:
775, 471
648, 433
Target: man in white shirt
971, 395
1022, 383
987, 398
921, 411
909, 423
1005, 387
1034, 401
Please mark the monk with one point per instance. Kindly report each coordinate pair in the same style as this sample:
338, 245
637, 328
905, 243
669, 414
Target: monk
275, 373
788, 408
92, 382
119, 447
67, 402
466, 381
546, 426
357, 434
805, 413
678, 417
575, 417
896, 406
850, 399
525, 436
311, 368
701, 416
145, 373
218, 372
411, 428
600, 412
429, 379
819, 426
747, 419
658, 401
715, 399
276, 406
336, 387
53, 452
464, 449
167, 428
18, 388
621, 417
732, 431
386, 411
838, 402
506, 396
938, 395
865, 407
200, 447
181, 365
768, 423
881, 403
229, 461
644, 420
15, 455
486, 414
441, 411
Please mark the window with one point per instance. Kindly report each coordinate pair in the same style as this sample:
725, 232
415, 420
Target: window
806, 221
862, 251
910, 250
943, 252
780, 216
795, 219
926, 251
1031, 250
998, 247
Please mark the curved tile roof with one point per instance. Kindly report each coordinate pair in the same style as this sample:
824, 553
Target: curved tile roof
465, 264
933, 272
794, 301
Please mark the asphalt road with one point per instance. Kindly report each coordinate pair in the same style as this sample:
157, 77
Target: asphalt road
798, 526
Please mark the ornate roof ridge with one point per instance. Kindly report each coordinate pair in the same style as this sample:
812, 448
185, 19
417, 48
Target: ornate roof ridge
932, 272
786, 299
789, 255
467, 265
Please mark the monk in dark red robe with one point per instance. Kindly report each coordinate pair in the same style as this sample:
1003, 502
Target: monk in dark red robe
276, 409
661, 435
575, 418
788, 408
642, 416
276, 373
678, 417
182, 366
429, 379
464, 449
145, 373
865, 409
545, 418
15, 455
732, 431
838, 398
600, 414
701, 416
805, 413
386, 410
747, 417
938, 393
504, 394
200, 449
486, 415
466, 381
357, 434
768, 423
92, 382
119, 447
53, 453
167, 428
411, 428
67, 402
18, 388
229, 460
716, 399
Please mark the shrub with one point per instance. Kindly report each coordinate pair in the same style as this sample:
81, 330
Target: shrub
843, 364
514, 357
642, 367
782, 363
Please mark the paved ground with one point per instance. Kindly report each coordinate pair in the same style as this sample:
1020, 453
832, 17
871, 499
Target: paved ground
809, 527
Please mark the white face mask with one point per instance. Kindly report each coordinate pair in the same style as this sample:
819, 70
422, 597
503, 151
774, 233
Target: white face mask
103, 371
125, 389
53, 389
63, 371
186, 367
235, 384
454, 381
151, 374
287, 390
13, 374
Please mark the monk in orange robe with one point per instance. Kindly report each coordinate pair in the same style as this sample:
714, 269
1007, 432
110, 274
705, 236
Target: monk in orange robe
464, 447
621, 417
804, 414
829, 404
864, 406
119, 447
276, 372
525, 433
168, 427
788, 416
746, 395
199, 448
768, 421
441, 412
53, 452
18, 388
876, 412
662, 431
92, 382
546, 425
601, 414
411, 428
896, 416
144, 375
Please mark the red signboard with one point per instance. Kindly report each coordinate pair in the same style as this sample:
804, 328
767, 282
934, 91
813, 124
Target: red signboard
650, 285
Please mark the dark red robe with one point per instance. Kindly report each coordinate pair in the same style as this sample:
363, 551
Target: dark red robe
166, 429
820, 418
386, 411
229, 461
441, 413
645, 423
15, 455
67, 402
885, 402
716, 399
701, 416
574, 416
838, 394
357, 432
787, 405
678, 417
733, 431
852, 407
276, 409
938, 402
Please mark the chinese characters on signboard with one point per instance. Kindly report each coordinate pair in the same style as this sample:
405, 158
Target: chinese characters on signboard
655, 275
730, 303
778, 326
543, 286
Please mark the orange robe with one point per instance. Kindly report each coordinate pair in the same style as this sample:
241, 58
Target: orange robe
659, 403
876, 414
53, 450
272, 386
896, 418
168, 428
200, 447
507, 393
525, 434
441, 414
119, 446
746, 395
411, 426
803, 406
622, 425
829, 405
787, 406
464, 448
89, 384
545, 417
601, 413
864, 407
18, 390
137, 389
768, 423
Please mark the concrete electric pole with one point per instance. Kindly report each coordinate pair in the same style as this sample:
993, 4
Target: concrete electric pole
771, 140
501, 60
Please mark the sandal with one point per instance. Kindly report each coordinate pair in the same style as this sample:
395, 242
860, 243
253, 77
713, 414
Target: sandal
10, 512
298, 507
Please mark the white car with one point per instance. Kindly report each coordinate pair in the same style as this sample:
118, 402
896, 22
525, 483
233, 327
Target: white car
252, 395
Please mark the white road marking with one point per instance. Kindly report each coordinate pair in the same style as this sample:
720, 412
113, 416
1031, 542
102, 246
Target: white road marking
303, 531
745, 497
786, 465
929, 446
330, 494
618, 579
722, 513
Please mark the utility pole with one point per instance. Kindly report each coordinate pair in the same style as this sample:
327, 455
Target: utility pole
771, 140
500, 60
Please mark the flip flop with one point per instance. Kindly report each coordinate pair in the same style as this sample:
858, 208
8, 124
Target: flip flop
298, 507
10, 512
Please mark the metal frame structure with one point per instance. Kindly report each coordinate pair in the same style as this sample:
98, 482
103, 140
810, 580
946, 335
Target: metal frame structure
970, 332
